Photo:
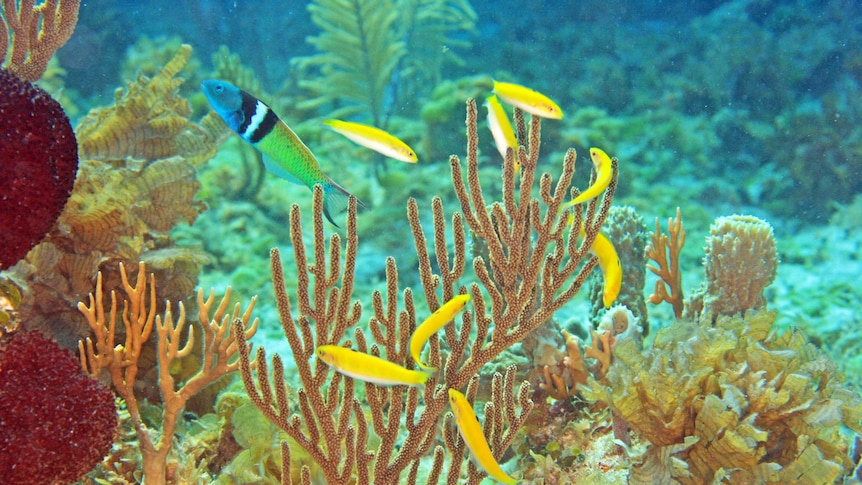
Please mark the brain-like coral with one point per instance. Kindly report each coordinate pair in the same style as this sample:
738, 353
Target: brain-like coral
741, 260
57, 422
39, 160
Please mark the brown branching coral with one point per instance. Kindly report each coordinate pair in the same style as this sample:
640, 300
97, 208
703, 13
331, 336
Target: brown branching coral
535, 266
37, 31
535, 262
121, 360
665, 250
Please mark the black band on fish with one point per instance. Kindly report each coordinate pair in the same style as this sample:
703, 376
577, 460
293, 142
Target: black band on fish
265, 126
248, 108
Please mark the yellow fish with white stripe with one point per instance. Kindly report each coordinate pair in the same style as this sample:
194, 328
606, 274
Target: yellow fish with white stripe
501, 129
529, 100
604, 172
369, 368
471, 431
375, 139
432, 324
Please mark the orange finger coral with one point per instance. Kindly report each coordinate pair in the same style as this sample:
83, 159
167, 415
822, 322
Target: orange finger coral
104, 352
665, 250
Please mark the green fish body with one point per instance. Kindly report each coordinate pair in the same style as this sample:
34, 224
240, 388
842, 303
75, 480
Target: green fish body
285, 155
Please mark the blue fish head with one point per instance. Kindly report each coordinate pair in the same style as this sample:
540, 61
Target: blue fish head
226, 100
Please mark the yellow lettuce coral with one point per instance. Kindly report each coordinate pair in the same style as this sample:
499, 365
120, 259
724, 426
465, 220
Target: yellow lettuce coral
732, 402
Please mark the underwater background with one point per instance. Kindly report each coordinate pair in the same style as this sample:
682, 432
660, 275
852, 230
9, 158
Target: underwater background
736, 359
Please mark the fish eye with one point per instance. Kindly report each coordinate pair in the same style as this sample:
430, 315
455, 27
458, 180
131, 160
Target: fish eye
219, 88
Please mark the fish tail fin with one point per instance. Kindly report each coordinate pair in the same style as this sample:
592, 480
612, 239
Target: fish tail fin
424, 378
335, 200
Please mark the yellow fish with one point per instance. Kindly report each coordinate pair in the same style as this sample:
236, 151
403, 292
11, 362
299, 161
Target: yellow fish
531, 101
501, 129
471, 431
612, 270
609, 263
375, 139
432, 324
369, 368
604, 172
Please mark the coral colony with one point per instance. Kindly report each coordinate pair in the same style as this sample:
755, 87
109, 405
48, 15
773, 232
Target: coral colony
453, 369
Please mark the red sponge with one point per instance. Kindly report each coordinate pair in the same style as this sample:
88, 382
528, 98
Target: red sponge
56, 423
38, 163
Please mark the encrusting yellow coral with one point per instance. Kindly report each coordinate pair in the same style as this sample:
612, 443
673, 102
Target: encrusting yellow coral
147, 122
733, 401
121, 360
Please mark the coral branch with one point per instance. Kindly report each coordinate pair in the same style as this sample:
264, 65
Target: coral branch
533, 266
121, 361
665, 251
37, 32
320, 426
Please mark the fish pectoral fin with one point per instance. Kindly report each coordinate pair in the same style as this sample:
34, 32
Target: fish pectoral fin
277, 170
